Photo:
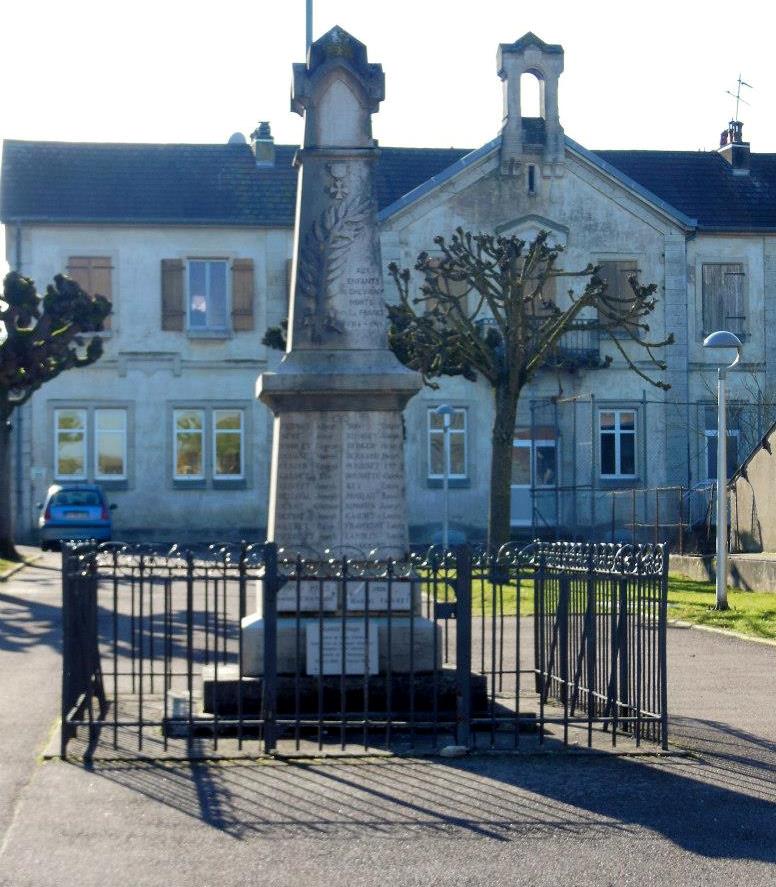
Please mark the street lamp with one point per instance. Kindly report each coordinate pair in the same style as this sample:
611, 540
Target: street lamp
446, 412
722, 339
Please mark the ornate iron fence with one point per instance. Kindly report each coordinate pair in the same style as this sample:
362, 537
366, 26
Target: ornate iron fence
239, 649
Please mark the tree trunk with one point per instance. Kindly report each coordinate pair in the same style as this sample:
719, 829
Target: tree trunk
7, 549
499, 527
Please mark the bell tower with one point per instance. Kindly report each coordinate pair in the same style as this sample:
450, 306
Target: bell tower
528, 136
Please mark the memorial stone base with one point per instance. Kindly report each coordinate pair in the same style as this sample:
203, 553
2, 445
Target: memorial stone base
303, 636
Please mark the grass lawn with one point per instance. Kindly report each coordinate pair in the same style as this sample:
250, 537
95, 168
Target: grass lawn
751, 612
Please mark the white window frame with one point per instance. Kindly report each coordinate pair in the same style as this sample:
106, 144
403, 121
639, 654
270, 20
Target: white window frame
618, 432
84, 443
216, 431
534, 445
95, 436
207, 260
176, 432
462, 431
711, 433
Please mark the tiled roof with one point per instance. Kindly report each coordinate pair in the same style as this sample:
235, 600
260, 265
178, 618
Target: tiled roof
176, 184
702, 185
221, 184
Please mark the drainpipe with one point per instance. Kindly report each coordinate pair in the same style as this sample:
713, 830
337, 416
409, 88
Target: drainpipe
19, 413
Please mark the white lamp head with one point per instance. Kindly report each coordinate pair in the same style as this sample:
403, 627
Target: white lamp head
722, 339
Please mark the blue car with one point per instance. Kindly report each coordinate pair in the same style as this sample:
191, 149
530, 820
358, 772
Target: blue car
74, 511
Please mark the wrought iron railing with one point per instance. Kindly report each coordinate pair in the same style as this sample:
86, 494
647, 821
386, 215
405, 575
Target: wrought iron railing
235, 648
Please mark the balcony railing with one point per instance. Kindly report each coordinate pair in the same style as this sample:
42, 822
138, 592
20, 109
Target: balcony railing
577, 347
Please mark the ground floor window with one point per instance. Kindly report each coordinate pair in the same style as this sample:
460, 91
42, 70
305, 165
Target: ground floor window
456, 444
208, 442
617, 443
534, 463
710, 437
101, 431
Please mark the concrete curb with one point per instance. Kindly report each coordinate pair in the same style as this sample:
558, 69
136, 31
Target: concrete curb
679, 623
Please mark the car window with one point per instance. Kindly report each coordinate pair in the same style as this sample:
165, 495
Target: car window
76, 497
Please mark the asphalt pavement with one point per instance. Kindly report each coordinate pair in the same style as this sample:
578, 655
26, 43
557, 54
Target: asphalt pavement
708, 818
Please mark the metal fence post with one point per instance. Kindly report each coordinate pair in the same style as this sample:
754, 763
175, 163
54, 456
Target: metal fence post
463, 643
662, 649
622, 648
269, 599
590, 616
67, 647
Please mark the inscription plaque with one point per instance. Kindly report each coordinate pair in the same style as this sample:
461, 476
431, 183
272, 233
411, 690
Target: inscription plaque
401, 596
311, 595
359, 648
340, 481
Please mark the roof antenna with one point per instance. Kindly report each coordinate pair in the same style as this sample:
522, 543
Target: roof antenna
737, 94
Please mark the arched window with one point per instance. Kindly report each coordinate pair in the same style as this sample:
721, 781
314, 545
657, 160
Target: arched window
531, 94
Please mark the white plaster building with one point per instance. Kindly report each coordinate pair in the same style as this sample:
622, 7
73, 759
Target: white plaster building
192, 244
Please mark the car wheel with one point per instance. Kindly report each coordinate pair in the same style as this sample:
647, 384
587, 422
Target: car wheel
44, 546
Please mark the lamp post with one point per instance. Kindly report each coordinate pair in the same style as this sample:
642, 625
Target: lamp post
722, 339
446, 412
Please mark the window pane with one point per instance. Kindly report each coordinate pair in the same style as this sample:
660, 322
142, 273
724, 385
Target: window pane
188, 419
110, 420
458, 419
457, 454
71, 419
436, 453
230, 419
545, 466
732, 453
228, 456
627, 419
197, 294
217, 295
435, 420
70, 454
627, 454
188, 462
521, 466
607, 454
711, 456
110, 454
607, 420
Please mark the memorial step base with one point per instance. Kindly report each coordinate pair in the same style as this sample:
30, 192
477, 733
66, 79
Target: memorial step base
428, 695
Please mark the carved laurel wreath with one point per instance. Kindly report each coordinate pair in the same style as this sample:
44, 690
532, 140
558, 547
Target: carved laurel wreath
322, 260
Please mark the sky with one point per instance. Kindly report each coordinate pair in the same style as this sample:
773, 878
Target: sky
636, 75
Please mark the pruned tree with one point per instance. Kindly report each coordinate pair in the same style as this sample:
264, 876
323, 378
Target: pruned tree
491, 307
39, 339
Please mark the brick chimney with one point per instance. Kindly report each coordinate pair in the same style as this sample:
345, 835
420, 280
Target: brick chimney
263, 144
734, 149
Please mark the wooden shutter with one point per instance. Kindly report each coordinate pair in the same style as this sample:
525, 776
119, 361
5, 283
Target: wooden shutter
93, 275
242, 294
172, 295
723, 298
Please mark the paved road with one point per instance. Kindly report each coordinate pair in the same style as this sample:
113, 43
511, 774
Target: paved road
710, 819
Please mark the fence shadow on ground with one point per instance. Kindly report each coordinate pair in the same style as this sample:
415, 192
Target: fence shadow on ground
694, 805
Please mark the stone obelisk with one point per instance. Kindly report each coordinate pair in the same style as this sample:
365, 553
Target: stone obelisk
337, 478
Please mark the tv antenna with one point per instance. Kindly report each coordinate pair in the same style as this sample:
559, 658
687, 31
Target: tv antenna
737, 94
